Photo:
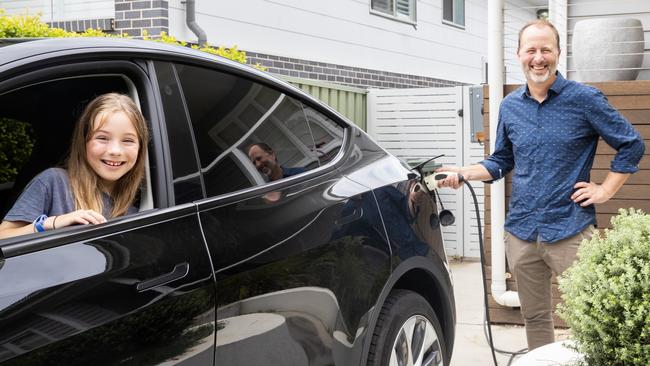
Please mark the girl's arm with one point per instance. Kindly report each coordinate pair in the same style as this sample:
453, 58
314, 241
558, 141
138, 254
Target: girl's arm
10, 229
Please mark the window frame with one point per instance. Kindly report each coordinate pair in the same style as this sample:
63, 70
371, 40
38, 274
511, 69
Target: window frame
394, 15
454, 22
140, 89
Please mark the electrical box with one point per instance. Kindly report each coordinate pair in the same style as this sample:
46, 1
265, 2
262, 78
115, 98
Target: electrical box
476, 113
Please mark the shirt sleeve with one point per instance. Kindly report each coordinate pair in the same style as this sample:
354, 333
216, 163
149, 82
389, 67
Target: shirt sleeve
31, 203
501, 162
617, 133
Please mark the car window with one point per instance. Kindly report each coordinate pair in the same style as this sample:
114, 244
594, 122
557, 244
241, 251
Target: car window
248, 134
36, 124
185, 171
327, 135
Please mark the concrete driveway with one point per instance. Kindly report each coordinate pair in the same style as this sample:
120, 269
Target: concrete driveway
471, 346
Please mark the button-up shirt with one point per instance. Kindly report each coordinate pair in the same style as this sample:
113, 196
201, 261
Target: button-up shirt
551, 146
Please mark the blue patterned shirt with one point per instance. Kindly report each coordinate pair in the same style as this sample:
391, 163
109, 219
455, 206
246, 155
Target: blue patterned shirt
551, 146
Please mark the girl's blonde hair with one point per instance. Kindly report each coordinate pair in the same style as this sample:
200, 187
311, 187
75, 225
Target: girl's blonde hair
84, 181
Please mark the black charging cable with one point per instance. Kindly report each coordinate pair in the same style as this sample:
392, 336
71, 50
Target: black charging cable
480, 244
487, 326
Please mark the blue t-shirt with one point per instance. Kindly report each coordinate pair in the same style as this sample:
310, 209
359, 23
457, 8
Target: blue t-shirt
287, 172
49, 194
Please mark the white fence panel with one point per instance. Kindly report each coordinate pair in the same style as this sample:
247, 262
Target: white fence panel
417, 124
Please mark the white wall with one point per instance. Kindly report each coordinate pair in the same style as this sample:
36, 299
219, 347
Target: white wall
61, 10
639, 9
344, 32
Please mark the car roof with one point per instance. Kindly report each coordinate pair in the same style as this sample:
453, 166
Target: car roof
28, 50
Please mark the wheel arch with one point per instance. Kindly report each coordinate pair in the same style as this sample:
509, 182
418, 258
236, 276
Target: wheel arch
429, 277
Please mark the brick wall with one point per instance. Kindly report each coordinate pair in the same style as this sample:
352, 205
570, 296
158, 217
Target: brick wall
106, 24
134, 16
339, 74
131, 18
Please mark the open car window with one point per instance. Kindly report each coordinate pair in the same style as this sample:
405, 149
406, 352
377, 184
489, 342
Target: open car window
36, 124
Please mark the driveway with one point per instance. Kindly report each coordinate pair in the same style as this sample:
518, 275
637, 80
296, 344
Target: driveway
471, 346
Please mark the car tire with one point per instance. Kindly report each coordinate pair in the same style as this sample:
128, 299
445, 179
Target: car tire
407, 333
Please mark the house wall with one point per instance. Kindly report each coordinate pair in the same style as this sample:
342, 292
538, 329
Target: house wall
345, 33
62, 10
632, 99
586, 9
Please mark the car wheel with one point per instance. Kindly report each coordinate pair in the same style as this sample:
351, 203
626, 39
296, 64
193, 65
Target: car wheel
407, 333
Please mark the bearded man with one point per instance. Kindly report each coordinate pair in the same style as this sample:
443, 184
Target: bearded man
547, 133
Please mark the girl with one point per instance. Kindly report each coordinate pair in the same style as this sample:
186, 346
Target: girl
103, 176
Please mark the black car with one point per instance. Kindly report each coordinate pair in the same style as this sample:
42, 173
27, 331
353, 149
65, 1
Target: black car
340, 264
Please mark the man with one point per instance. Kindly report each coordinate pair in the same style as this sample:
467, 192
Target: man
266, 162
548, 131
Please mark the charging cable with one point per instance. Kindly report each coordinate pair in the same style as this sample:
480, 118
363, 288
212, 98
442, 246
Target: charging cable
432, 183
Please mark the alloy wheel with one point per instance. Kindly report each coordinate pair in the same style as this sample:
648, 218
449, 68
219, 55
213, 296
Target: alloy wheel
416, 344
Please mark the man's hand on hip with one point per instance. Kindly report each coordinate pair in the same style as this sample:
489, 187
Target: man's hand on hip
590, 193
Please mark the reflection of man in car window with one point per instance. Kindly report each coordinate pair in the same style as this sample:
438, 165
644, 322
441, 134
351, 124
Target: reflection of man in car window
266, 162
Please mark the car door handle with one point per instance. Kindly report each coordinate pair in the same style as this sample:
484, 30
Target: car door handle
180, 270
354, 216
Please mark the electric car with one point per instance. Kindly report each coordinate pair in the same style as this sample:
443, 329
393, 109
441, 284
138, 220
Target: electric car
340, 263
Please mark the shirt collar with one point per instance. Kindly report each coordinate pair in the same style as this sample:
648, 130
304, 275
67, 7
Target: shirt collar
557, 86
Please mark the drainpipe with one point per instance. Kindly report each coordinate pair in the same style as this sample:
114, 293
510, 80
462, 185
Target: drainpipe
558, 12
497, 189
190, 20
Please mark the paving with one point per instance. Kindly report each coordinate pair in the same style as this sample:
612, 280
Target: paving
471, 347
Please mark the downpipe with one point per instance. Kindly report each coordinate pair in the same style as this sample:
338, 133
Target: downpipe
495, 85
190, 20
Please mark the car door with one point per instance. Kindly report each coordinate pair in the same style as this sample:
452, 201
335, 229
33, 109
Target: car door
299, 261
137, 290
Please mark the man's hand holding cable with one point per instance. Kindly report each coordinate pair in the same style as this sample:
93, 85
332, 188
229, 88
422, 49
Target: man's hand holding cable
451, 180
469, 172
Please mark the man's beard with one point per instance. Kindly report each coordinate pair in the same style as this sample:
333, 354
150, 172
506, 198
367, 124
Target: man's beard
536, 78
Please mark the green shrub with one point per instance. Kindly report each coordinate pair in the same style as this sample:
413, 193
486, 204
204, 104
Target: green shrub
607, 294
15, 147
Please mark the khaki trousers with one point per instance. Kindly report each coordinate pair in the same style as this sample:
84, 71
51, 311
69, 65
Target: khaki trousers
532, 264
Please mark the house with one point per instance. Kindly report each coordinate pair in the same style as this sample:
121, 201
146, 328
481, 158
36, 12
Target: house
359, 43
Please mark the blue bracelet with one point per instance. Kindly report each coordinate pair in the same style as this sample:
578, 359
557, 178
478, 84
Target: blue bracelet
39, 223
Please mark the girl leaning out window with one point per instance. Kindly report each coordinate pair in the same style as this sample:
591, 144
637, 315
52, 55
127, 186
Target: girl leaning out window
102, 177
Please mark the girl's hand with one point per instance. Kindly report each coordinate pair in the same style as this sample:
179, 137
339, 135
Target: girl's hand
79, 217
